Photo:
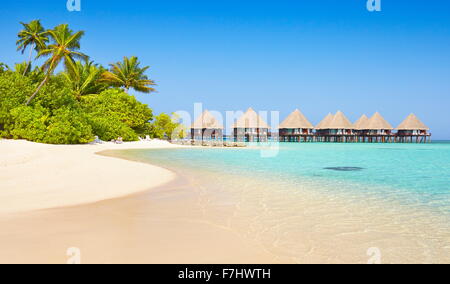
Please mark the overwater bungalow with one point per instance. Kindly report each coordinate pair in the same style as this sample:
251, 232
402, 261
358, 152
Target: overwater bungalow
321, 128
251, 127
206, 128
296, 128
336, 128
361, 127
413, 130
374, 130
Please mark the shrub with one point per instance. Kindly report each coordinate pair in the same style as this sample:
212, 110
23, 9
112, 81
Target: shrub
56, 94
114, 113
108, 128
118, 104
68, 126
28, 123
65, 126
57, 117
165, 126
14, 89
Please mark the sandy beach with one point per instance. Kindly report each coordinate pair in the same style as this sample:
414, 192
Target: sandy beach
37, 176
54, 198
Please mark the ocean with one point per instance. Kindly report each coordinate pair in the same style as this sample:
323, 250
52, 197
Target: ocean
324, 202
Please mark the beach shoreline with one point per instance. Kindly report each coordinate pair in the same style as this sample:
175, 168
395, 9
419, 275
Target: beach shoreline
174, 210
156, 218
39, 176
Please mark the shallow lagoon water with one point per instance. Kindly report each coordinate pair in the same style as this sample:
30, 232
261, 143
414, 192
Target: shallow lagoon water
415, 173
325, 202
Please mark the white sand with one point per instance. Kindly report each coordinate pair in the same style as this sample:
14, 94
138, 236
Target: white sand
160, 225
37, 176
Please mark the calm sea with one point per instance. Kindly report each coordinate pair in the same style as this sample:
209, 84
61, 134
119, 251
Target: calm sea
396, 196
411, 173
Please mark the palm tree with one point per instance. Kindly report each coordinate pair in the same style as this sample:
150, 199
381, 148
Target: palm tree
23, 68
64, 47
128, 74
34, 36
86, 79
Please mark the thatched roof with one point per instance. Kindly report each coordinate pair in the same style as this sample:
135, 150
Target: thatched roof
340, 121
361, 123
251, 119
377, 122
325, 122
296, 120
412, 123
206, 121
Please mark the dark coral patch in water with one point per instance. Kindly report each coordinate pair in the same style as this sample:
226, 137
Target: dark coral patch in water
345, 169
394, 149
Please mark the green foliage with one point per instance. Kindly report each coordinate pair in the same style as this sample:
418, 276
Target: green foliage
116, 103
128, 74
65, 126
14, 89
68, 126
167, 127
23, 68
109, 128
28, 123
63, 48
3, 67
113, 113
37, 75
54, 118
56, 94
76, 104
33, 35
85, 80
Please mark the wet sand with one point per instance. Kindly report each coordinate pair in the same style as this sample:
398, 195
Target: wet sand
163, 225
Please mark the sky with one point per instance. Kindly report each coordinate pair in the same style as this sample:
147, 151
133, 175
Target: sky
319, 56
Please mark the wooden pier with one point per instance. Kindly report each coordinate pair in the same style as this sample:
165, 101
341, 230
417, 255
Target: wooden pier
297, 129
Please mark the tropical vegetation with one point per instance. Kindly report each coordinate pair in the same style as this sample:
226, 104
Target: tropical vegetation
82, 101
128, 74
33, 36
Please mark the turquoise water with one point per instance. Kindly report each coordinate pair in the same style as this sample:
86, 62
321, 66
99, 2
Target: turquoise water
413, 174
323, 203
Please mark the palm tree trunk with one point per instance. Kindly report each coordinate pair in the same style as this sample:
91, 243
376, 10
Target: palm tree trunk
38, 89
29, 61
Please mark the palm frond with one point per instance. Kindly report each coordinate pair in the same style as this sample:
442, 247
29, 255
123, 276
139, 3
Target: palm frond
32, 34
74, 41
128, 74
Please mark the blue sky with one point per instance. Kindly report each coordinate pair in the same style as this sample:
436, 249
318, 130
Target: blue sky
317, 55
